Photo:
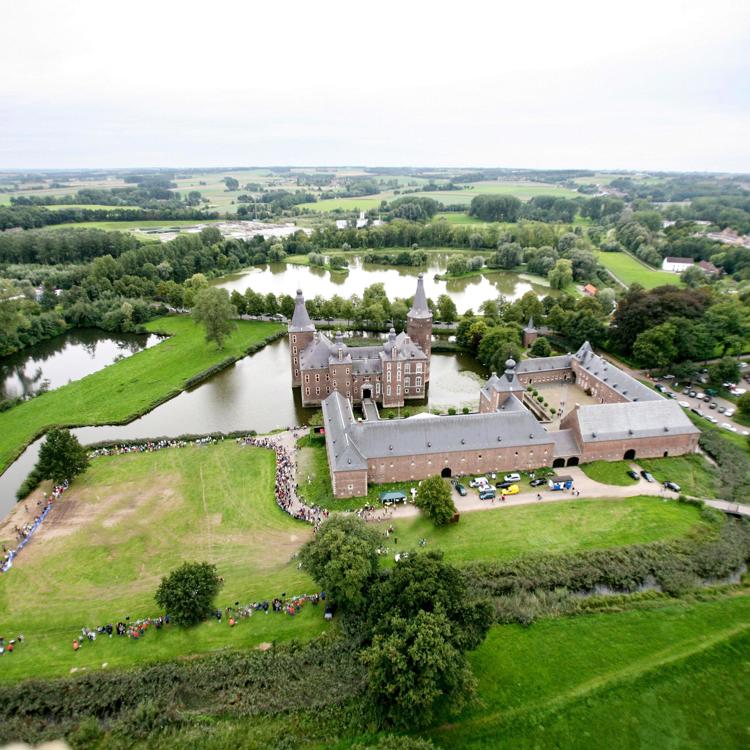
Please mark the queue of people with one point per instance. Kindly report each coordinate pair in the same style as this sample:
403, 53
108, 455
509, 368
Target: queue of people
285, 488
232, 614
27, 530
150, 446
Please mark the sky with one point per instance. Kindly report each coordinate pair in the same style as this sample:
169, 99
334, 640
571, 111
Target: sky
657, 85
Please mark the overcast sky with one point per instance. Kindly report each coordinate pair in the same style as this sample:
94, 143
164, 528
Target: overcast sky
640, 85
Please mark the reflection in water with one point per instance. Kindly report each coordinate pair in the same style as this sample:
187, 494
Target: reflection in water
253, 394
71, 356
283, 278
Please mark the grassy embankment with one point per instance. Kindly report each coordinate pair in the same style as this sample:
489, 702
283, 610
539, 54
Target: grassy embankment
675, 676
629, 271
130, 519
129, 388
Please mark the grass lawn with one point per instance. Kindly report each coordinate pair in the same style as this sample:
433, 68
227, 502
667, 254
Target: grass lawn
677, 676
558, 527
129, 226
128, 388
695, 475
629, 270
454, 217
364, 203
609, 472
128, 521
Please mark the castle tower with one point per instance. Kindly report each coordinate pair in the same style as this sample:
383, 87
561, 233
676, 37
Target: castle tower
419, 319
530, 333
301, 333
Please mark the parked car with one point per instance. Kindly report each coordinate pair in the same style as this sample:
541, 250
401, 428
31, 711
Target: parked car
487, 494
647, 476
722, 409
661, 388
537, 482
514, 477
503, 485
712, 419
686, 390
707, 399
729, 412
700, 396
512, 490
712, 405
696, 411
692, 394
633, 474
479, 482
727, 426
672, 486
684, 404
460, 488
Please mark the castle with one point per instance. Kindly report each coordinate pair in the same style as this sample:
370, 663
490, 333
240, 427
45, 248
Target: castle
387, 373
629, 420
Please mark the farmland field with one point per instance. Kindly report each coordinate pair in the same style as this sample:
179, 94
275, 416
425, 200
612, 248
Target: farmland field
630, 271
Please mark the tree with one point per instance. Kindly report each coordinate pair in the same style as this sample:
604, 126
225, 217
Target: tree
187, 593
231, 183
447, 308
498, 344
743, 404
457, 265
413, 667
657, 346
343, 560
435, 501
215, 312
726, 370
561, 275
61, 457
540, 348
693, 277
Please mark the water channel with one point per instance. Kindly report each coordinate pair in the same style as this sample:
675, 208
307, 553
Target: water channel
254, 393
72, 356
470, 292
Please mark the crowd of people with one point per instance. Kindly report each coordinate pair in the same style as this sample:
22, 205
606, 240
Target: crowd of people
8, 647
150, 446
285, 488
25, 531
232, 614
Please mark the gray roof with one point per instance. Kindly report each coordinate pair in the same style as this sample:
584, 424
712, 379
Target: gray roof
300, 319
544, 364
406, 437
507, 383
629, 420
565, 443
613, 376
419, 308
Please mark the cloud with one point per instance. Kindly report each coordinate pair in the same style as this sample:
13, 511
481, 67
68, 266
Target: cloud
547, 84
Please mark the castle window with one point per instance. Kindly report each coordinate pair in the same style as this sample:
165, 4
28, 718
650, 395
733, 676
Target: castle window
348, 370
294, 349
317, 391
407, 367
406, 382
419, 367
419, 381
295, 360
307, 378
406, 391
296, 373
388, 393
307, 391
418, 389
294, 339
334, 383
377, 388
317, 377
398, 390
388, 374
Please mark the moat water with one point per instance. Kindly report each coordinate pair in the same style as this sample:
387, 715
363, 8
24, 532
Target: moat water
254, 393
400, 281
60, 360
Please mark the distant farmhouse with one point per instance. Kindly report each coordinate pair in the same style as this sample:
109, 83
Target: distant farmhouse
678, 265
629, 420
389, 373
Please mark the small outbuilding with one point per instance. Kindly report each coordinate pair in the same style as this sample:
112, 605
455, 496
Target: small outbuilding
560, 483
392, 497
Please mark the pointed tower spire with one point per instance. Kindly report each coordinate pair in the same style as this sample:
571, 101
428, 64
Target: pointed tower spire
300, 319
419, 308
530, 326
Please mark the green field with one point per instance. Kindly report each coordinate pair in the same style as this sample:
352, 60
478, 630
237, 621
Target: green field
128, 521
630, 271
127, 388
609, 472
693, 473
673, 677
454, 217
348, 204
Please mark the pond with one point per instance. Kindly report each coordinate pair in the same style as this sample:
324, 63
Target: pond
470, 292
72, 356
255, 393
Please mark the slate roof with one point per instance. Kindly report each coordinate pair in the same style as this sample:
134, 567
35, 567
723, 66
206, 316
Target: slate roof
544, 364
506, 383
565, 443
352, 442
630, 420
613, 376
419, 308
300, 319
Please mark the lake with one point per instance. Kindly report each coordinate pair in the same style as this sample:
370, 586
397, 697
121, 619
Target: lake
286, 278
72, 356
255, 393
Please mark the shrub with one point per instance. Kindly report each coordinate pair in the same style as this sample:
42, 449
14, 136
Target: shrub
451, 411
465, 410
